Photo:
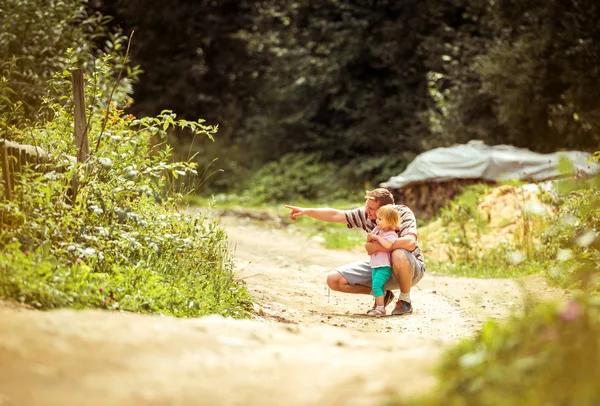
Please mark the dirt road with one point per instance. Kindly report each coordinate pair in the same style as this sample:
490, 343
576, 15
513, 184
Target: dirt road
306, 346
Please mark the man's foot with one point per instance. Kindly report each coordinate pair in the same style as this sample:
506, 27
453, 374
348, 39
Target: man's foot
376, 312
402, 307
387, 299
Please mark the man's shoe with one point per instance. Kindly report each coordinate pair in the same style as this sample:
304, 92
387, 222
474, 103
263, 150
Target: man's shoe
402, 307
388, 298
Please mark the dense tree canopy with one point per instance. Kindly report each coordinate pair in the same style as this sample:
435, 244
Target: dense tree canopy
524, 73
370, 84
34, 36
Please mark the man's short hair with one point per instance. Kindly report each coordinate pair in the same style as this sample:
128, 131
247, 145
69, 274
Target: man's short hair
381, 196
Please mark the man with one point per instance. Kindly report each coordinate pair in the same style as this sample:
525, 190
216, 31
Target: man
408, 265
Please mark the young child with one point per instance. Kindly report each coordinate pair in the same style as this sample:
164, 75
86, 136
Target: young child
381, 264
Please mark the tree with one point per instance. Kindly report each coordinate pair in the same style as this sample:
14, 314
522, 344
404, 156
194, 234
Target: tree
193, 62
522, 73
345, 79
35, 35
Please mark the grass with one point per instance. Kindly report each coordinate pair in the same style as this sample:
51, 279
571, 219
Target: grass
484, 269
331, 235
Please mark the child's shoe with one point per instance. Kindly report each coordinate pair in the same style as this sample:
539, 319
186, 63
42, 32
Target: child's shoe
377, 312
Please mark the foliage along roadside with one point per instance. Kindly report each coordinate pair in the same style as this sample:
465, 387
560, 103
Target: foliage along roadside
509, 232
118, 241
35, 37
548, 355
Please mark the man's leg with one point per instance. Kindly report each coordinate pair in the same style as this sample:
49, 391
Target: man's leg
355, 277
403, 271
338, 283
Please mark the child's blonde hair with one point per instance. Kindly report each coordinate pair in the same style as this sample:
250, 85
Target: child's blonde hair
389, 214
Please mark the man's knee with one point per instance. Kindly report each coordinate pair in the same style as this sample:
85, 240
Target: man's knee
400, 258
335, 280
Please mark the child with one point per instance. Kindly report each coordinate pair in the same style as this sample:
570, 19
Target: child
385, 234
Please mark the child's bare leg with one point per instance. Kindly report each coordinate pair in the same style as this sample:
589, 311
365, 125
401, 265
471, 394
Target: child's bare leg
379, 309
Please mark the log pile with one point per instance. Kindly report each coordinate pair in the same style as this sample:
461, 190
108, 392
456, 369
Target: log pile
14, 157
426, 198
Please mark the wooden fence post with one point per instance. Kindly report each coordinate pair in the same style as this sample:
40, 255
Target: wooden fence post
7, 176
5, 170
81, 136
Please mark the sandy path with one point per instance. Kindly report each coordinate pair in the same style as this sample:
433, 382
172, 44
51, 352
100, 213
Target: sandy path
322, 352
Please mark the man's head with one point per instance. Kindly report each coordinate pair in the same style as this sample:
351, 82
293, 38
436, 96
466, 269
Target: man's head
375, 199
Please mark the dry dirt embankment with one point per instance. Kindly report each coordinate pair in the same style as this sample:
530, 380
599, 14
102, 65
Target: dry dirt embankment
304, 347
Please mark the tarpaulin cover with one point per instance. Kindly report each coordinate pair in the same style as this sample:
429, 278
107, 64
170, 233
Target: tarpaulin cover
476, 160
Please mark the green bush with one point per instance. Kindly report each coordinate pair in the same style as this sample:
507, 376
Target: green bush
169, 265
541, 244
572, 240
297, 176
463, 224
115, 237
549, 356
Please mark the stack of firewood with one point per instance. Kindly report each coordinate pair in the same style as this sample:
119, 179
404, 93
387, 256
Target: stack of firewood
426, 198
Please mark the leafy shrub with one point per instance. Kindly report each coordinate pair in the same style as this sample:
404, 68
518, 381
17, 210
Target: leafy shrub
533, 245
463, 224
572, 239
114, 238
297, 175
549, 356
165, 265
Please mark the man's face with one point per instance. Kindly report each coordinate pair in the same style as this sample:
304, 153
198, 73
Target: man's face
371, 209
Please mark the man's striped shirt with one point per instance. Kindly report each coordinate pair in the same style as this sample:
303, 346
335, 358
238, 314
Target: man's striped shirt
408, 224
